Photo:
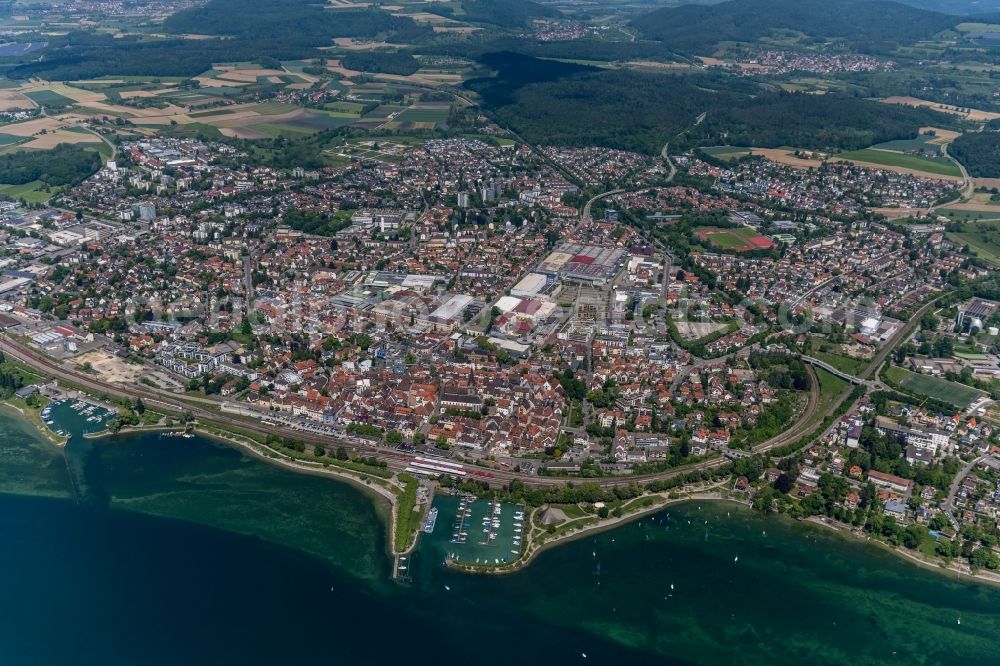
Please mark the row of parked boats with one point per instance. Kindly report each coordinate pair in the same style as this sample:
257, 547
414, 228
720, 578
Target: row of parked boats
518, 530
460, 532
49, 423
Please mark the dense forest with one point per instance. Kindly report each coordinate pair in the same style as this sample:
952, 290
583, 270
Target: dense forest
298, 22
575, 49
387, 62
282, 30
516, 70
66, 164
872, 26
80, 55
813, 121
568, 104
321, 224
504, 13
957, 7
979, 152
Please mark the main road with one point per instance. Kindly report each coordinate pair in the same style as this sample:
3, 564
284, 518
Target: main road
899, 336
968, 185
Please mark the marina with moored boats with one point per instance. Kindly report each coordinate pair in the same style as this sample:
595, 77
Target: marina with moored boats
70, 417
483, 532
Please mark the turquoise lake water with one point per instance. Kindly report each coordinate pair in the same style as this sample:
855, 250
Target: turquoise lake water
156, 550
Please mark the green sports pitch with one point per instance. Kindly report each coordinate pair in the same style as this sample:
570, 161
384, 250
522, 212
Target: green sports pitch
953, 393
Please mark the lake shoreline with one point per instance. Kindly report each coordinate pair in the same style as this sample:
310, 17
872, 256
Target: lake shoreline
603, 525
38, 424
953, 569
381, 496
387, 499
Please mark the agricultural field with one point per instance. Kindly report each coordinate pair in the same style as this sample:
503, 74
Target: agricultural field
344, 109
153, 105
48, 98
977, 27
385, 112
811, 84
270, 122
928, 144
985, 203
787, 156
19, 49
793, 157
956, 213
421, 116
246, 74
976, 115
11, 100
740, 239
67, 135
956, 394
904, 162
43, 133
726, 153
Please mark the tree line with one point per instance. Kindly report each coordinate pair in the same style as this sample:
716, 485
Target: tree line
979, 152
66, 164
387, 62
864, 26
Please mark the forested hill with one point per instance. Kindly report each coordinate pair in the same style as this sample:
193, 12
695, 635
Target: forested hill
247, 31
505, 13
567, 104
300, 22
958, 7
979, 152
873, 26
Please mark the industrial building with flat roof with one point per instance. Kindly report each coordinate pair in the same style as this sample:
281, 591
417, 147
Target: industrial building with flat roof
532, 285
591, 264
407, 280
449, 313
975, 313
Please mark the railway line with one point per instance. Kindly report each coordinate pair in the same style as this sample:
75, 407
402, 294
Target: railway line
396, 460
